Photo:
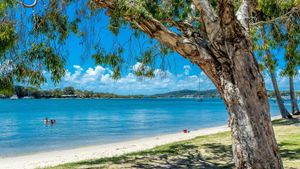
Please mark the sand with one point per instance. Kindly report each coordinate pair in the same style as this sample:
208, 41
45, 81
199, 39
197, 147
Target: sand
46, 159
53, 158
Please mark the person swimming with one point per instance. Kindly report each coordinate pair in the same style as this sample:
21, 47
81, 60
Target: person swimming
46, 121
52, 121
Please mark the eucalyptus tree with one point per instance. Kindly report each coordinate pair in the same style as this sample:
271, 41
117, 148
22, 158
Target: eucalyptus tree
292, 58
214, 35
270, 63
278, 29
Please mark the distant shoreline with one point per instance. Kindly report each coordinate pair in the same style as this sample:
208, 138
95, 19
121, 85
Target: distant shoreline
21, 92
111, 98
53, 158
116, 98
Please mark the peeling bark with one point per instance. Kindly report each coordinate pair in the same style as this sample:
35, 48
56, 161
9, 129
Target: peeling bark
243, 14
295, 108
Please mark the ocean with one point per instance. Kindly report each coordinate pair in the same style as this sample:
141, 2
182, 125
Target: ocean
83, 122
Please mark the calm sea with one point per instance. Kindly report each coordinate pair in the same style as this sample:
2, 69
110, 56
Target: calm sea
83, 122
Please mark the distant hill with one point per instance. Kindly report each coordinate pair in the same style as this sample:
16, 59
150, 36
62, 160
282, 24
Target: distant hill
209, 94
188, 94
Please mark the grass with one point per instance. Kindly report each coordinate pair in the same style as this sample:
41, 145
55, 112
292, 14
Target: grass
211, 151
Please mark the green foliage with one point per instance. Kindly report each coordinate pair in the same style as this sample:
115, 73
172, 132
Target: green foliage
271, 62
8, 37
114, 60
146, 60
5, 4
30, 68
272, 9
3, 7
292, 53
171, 12
280, 33
69, 91
52, 62
6, 86
54, 23
268, 7
292, 57
48, 28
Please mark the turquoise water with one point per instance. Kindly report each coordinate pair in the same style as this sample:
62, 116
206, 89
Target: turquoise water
99, 121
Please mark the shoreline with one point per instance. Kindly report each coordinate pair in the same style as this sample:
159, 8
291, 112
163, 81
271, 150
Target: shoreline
53, 158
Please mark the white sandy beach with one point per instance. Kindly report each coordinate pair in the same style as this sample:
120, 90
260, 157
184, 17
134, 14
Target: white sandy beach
53, 158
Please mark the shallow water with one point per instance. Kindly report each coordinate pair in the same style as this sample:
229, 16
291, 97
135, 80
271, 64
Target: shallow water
83, 122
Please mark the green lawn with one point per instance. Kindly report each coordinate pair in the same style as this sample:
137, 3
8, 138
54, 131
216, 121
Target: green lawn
212, 151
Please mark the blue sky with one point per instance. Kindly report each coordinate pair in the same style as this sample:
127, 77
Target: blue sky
82, 73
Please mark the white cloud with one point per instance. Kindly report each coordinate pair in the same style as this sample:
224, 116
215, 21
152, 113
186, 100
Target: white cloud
99, 79
186, 69
77, 67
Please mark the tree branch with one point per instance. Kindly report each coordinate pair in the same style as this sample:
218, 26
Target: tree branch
206, 10
155, 29
289, 14
208, 17
243, 14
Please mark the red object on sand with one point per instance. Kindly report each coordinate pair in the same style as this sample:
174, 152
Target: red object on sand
185, 131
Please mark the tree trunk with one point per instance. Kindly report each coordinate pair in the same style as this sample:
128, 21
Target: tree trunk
283, 111
236, 74
242, 88
238, 79
295, 108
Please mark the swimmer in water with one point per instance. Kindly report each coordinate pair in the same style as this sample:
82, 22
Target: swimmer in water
46, 121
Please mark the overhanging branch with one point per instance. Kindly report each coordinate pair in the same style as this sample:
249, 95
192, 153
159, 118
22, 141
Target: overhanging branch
155, 29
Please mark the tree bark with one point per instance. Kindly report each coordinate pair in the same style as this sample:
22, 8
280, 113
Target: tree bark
254, 144
283, 111
242, 87
227, 59
295, 108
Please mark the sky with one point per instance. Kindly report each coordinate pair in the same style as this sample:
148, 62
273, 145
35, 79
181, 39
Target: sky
179, 74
